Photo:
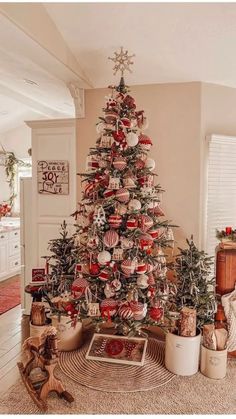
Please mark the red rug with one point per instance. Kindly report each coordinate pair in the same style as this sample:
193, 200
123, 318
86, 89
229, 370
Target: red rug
9, 295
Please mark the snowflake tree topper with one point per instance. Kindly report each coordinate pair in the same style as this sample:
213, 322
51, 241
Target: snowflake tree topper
122, 61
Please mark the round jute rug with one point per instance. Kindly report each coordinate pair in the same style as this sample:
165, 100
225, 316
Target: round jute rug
110, 377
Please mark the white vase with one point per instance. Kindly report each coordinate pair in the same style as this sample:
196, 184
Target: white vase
182, 353
69, 337
213, 363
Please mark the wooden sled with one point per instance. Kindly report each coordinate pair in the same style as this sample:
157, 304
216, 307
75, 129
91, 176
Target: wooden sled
37, 372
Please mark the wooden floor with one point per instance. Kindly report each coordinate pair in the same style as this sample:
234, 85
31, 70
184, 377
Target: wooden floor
10, 347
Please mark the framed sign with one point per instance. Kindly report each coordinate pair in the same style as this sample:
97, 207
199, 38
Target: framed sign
53, 177
117, 349
38, 275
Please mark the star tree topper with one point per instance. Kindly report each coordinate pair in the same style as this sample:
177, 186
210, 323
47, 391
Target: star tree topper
122, 61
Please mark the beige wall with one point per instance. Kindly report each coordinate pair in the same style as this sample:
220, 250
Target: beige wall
173, 111
218, 116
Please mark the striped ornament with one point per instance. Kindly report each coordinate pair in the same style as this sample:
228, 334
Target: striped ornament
115, 220
145, 142
125, 312
78, 286
145, 222
104, 275
139, 310
128, 267
119, 163
111, 238
141, 267
122, 195
108, 307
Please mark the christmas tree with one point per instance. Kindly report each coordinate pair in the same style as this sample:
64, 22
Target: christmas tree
121, 267
61, 263
195, 284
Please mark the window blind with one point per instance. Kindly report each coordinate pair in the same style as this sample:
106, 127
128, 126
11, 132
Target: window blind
221, 190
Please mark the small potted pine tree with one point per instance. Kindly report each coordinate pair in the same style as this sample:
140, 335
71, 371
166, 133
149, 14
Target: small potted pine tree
196, 303
61, 267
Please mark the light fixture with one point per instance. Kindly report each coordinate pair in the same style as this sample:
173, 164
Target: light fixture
32, 82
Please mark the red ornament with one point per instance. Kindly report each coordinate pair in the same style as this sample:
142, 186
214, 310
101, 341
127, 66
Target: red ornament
154, 232
141, 267
145, 241
108, 193
146, 180
104, 275
139, 164
114, 347
129, 102
70, 308
132, 223
94, 269
126, 122
228, 230
156, 313
115, 220
118, 136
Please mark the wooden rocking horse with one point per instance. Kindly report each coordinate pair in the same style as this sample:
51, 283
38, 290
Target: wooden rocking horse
38, 371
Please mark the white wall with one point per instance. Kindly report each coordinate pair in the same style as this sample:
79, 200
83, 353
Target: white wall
18, 141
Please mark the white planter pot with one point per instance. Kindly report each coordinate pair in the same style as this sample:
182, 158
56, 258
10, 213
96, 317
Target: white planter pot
213, 363
182, 354
69, 337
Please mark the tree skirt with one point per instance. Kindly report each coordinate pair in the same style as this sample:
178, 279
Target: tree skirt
9, 295
110, 377
183, 395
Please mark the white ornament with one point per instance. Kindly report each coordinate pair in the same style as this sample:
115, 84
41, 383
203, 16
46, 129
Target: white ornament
93, 310
100, 127
92, 242
117, 254
142, 281
114, 183
150, 164
134, 205
128, 183
116, 284
132, 139
147, 191
99, 217
106, 141
109, 291
104, 257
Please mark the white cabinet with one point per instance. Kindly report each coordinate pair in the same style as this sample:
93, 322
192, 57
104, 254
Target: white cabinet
9, 253
3, 259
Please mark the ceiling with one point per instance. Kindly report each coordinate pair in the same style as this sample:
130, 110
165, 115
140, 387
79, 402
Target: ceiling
173, 42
